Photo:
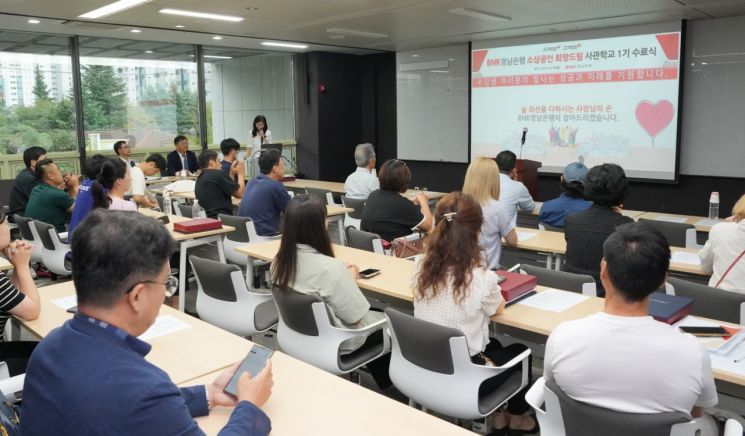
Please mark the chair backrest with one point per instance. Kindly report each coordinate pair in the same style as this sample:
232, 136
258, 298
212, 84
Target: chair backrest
186, 210
319, 194
711, 302
675, 233
353, 203
296, 311
159, 199
24, 225
361, 240
583, 419
240, 234
422, 343
42, 229
215, 278
563, 280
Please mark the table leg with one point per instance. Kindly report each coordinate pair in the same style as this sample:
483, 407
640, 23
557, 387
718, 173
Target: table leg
220, 249
557, 262
549, 260
182, 276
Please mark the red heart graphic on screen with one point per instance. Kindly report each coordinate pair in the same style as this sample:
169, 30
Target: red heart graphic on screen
654, 117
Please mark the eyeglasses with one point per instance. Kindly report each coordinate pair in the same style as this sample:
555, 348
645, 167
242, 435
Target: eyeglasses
171, 285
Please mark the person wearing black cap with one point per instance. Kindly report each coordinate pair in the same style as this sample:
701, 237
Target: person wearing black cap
572, 199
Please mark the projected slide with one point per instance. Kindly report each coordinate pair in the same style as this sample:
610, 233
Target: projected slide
601, 100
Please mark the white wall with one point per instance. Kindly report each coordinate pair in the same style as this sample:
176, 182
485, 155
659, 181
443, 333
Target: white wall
240, 89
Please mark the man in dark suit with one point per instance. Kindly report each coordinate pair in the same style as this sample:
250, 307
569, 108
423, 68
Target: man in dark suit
181, 158
91, 375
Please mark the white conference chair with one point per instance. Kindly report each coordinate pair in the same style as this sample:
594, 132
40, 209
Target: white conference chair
53, 251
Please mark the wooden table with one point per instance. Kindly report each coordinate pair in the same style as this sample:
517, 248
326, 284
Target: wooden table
688, 219
310, 402
184, 355
393, 280
338, 188
190, 240
5, 265
542, 322
633, 214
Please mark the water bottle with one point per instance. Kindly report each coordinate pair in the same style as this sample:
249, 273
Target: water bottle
197, 211
167, 206
714, 206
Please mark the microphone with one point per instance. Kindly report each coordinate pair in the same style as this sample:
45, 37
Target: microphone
525, 132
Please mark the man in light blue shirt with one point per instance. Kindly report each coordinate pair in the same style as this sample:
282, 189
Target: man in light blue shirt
512, 194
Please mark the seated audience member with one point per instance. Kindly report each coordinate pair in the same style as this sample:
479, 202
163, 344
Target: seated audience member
572, 200
25, 181
512, 194
482, 183
305, 263
111, 184
585, 232
621, 358
214, 187
182, 158
453, 287
390, 214
723, 256
265, 197
229, 148
153, 165
90, 376
84, 200
123, 150
362, 182
48, 202
18, 297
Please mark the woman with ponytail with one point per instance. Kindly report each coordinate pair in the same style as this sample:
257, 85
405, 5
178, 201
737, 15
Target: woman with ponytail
110, 185
454, 287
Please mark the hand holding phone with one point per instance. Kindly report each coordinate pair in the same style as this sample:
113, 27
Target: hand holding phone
253, 364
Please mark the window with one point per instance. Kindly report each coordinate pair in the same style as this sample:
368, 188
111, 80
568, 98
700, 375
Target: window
241, 84
36, 103
141, 92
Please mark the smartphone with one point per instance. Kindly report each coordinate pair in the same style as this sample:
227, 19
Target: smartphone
370, 272
73, 309
253, 363
704, 331
164, 219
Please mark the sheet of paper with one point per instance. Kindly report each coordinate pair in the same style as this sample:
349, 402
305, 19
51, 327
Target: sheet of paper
707, 222
181, 186
523, 236
685, 257
66, 302
164, 325
554, 300
672, 219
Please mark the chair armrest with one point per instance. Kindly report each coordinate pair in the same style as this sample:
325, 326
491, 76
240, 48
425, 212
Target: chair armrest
368, 328
536, 395
10, 386
515, 360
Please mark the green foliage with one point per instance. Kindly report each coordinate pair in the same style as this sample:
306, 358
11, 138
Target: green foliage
104, 98
40, 87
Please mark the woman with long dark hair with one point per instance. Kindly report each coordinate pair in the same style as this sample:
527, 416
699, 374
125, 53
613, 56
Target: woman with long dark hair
112, 182
454, 287
260, 134
305, 263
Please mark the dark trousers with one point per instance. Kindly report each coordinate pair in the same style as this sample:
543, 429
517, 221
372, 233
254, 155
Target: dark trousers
501, 355
379, 367
16, 355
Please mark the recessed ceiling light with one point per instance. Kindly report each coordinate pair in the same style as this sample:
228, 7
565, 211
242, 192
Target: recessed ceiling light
473, 13
217, 57
439, 71
149, 51
33, 21
200, 15
136, 31
112, 8
284, 44
179, 26
451, 59
360, 33
217, 38
415, 56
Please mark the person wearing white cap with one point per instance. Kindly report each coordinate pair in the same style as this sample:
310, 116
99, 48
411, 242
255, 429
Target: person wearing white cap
571, 200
